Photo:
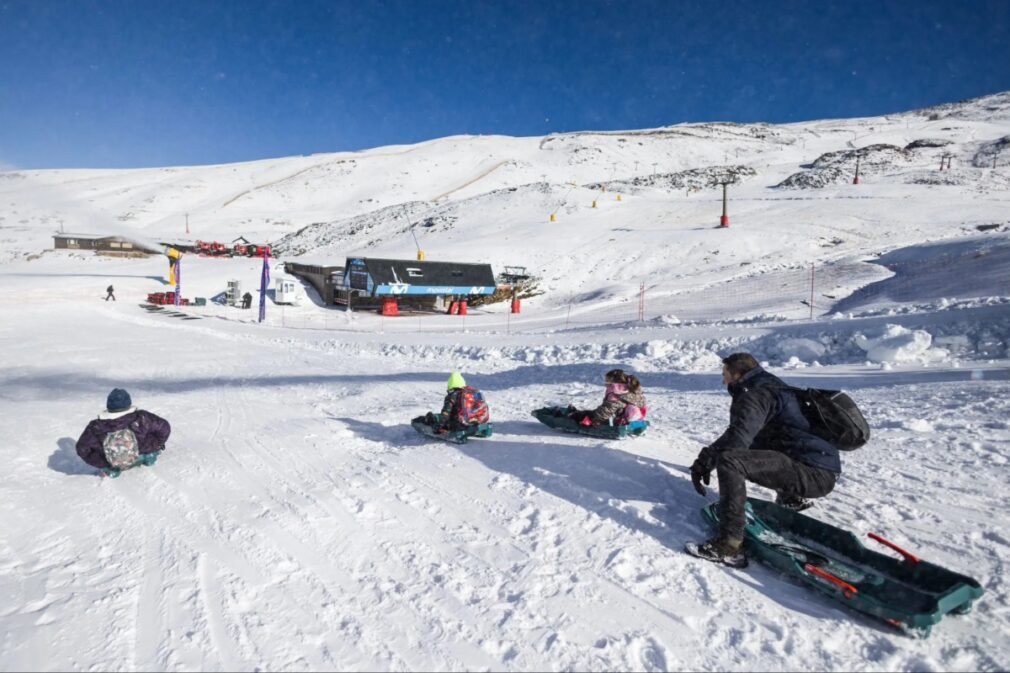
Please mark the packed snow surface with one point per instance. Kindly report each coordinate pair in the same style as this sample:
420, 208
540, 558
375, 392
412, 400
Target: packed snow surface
297, 522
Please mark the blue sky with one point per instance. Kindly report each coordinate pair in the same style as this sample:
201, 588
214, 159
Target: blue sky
86, 83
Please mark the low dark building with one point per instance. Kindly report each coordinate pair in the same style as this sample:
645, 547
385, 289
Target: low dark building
363, 282
100, 243
398, 278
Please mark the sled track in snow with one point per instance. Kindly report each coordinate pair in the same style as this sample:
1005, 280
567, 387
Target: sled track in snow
323, 533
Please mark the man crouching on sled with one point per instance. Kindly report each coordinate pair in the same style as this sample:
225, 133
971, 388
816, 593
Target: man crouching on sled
768, 442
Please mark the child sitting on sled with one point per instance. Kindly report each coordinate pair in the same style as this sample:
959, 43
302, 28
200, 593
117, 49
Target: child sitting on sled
462, 408
623, 402
122, 436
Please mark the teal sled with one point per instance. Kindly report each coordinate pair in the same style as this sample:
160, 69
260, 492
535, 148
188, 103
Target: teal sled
482, 431
557, 418
144, 460
907, 593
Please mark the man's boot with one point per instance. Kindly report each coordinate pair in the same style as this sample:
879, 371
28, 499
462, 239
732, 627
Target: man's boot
727, 551
793, 502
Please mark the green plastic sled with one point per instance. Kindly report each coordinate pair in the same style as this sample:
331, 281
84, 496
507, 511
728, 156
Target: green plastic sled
483, 431
908, 593
557, 418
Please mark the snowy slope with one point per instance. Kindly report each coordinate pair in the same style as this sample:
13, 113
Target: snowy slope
297, 522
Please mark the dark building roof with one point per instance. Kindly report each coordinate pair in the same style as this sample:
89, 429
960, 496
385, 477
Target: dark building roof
86, 237
412, 272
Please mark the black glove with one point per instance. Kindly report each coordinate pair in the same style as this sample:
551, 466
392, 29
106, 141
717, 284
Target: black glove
430, 419
701, 470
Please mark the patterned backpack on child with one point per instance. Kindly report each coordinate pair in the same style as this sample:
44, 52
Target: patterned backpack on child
471, 409
121, 448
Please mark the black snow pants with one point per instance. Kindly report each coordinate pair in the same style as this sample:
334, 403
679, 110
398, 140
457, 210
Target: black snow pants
771, 469
579, 416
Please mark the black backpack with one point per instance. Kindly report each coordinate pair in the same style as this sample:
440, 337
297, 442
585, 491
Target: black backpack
834, 417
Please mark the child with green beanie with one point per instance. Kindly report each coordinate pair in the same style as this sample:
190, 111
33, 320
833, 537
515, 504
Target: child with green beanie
463, 406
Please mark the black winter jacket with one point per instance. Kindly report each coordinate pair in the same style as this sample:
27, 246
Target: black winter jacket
764, 416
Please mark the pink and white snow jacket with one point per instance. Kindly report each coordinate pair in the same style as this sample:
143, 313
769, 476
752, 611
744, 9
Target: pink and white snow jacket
621, 405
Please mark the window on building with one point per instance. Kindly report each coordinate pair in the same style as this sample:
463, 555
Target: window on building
457, 274
113, 244
128, 245
414, 273
359, 280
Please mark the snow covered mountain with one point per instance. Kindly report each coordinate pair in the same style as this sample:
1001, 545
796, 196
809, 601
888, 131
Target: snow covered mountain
490, 198
297, 522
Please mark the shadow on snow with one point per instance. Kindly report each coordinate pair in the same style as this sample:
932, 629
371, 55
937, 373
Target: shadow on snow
66, 461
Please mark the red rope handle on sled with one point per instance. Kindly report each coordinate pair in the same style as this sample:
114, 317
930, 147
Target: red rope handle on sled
911, 558
847, 589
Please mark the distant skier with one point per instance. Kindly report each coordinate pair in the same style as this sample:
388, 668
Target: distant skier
768, 442
623, 402
462, 407
246, 300
110, 292
122, 436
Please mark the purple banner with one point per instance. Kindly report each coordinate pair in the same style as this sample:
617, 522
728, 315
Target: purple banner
264, 282
178, 280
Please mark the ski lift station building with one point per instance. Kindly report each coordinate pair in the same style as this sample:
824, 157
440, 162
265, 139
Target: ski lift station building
364, 282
